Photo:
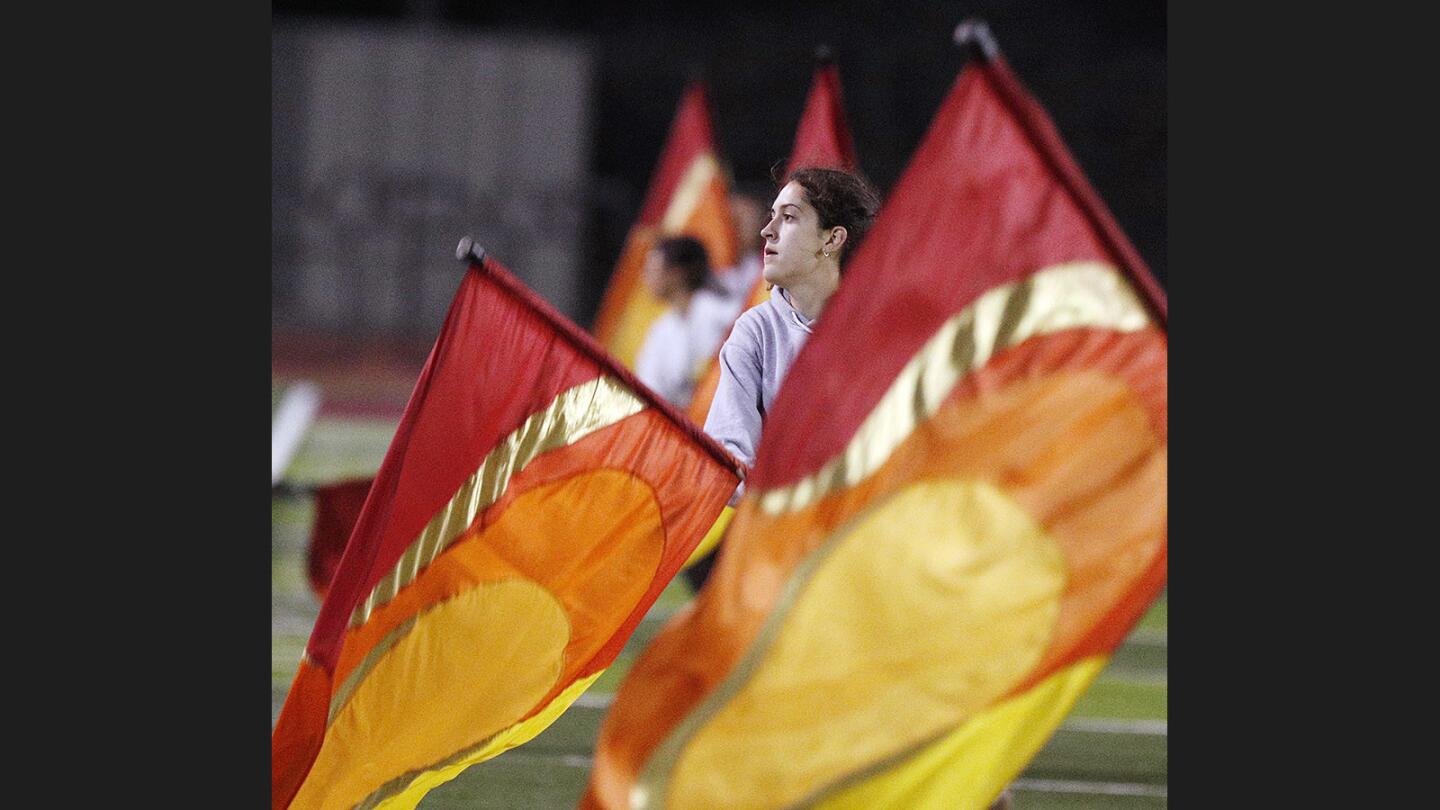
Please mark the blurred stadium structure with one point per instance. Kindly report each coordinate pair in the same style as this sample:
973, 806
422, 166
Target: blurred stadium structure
389, 144
399, 126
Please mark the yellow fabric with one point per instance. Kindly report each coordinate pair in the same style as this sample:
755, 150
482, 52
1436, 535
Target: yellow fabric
711, 537
575, 413
407, 714
1060, 297
517, 734
920, 614
633, 324
590, 539
970, 766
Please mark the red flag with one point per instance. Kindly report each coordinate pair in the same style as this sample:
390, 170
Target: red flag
821, 139
532, 505
939, 546
337, 508
688, 195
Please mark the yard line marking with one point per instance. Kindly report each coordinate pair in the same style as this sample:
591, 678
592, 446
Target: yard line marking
291, 626
1099, 725
1092, 725
1093, 788
1034, 785
517, 755
294, 415
1133, 678
590, 701
1149, 638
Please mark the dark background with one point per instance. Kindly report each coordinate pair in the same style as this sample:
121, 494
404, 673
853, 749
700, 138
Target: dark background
1098, 67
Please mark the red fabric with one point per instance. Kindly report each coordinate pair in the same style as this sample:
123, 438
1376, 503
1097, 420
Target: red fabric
337, 508
980, 205
497, 360
690, 136
822, 138
1032, 116
503, 355
591, 347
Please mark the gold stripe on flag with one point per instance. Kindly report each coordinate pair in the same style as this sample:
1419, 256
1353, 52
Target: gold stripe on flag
1066, 296
574, 414
688, 192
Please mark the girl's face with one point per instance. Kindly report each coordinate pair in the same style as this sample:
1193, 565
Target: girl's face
793, 238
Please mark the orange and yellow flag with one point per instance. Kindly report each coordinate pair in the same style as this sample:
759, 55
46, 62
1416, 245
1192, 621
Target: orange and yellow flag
821, 139
532, 505
689, 194
957, 511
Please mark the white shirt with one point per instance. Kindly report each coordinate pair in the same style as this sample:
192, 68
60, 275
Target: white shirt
679, 346
740, 279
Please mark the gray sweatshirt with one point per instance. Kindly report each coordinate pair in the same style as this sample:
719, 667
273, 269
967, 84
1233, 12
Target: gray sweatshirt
753, 363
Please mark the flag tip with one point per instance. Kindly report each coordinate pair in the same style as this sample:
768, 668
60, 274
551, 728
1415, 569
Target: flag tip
975, 34
468, 251
823, 55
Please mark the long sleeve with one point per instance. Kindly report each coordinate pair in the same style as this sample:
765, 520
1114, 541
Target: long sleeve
737, 410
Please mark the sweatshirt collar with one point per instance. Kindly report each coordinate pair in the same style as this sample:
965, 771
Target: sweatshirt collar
799, 320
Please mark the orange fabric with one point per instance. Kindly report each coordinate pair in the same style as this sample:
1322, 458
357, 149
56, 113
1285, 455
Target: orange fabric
545, 584
298, 734
624, 283
620, 446
699, 407
710, 222
1053, 421
408, 717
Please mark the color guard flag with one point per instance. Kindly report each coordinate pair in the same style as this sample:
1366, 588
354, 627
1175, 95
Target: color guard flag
532, 505
821, 139
957, 512
337, 508
689, 194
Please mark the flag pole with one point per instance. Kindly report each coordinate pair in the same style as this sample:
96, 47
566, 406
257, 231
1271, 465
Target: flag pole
470, 254
974, 35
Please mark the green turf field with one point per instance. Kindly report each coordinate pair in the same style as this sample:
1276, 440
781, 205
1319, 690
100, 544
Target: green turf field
1110, 753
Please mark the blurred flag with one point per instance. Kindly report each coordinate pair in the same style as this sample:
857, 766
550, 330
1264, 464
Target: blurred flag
956, 514
533, 503
689, 194
822, 139
337, 508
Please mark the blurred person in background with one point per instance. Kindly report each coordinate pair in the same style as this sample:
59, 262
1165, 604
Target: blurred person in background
699, 312
747, 213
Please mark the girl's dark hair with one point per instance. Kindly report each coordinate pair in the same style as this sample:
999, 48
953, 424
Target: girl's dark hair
686, 254
840, 198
